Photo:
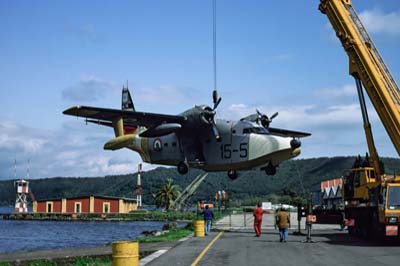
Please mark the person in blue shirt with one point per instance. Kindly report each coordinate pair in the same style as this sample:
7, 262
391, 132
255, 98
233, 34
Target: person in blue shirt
208, 217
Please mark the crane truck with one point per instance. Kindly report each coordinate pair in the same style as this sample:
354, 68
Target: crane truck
372, 199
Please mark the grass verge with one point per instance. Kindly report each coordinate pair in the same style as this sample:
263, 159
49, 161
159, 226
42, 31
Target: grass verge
78, 261
172, 235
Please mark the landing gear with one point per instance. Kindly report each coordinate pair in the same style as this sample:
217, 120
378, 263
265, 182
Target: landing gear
232, 174
182, 168
270, 169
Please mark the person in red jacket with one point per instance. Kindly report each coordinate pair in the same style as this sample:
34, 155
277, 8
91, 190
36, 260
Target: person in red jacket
258, 213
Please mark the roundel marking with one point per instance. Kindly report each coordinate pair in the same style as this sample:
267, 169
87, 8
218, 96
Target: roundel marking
157, 145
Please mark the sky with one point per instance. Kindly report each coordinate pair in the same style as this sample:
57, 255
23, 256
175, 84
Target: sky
277, 56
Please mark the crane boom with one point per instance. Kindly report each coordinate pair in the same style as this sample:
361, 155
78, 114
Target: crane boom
180, 201
372, 202
367, 65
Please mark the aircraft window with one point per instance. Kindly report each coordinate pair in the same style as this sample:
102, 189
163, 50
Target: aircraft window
234, 131
357, 179
255, 130
173, 144
165, 144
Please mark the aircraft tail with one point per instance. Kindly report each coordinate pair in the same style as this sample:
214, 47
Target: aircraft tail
127, 103
120, 128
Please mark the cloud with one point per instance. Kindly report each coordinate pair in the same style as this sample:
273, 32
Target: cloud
303, 117
89, 88
336, 130
74, 150
376, 21
170, 95
333, 117
20, 139
346, 91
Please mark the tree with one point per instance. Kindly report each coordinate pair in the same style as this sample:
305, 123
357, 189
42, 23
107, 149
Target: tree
167, 193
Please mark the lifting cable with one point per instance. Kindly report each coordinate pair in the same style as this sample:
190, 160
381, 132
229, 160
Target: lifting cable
214, 8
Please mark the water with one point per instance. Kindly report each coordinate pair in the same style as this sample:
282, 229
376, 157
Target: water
7, 209
39, 235
11, 209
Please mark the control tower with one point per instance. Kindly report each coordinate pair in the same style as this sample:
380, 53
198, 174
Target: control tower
22, 189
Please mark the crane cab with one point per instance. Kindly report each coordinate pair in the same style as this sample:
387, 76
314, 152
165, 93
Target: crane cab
357, 182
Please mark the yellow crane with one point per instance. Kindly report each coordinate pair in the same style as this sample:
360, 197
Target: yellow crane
372, 201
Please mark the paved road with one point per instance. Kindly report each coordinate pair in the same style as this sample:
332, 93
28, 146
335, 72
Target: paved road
244, 221
331, 247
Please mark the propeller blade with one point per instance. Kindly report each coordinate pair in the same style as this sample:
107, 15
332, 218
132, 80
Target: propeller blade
215, 96
216, 99
216, 133
217, 103
273, 116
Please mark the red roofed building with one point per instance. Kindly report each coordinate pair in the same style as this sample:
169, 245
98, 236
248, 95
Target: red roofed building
89, 204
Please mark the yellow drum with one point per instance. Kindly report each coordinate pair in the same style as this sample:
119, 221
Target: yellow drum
199, 228
125, 253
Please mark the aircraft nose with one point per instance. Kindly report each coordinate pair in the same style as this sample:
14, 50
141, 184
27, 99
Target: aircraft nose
295, 143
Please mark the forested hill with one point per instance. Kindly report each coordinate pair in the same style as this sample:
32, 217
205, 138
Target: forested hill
295, 176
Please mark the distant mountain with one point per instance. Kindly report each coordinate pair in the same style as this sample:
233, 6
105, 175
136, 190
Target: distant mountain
295, 176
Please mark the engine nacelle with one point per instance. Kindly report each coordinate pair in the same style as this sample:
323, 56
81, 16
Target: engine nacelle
161, 130
295, 143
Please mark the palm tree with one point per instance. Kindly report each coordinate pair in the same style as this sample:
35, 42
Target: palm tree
167, 193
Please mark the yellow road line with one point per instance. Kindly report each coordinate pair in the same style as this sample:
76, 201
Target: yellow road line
206, 249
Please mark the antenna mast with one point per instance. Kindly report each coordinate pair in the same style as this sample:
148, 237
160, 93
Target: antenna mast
27, 171
15, 167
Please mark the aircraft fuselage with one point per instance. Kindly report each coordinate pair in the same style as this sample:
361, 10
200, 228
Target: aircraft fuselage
239, 147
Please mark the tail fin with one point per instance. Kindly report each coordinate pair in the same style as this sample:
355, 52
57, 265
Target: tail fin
127, 103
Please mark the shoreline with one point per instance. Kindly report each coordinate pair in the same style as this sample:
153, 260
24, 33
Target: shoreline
147, 246
138, 216
70, 253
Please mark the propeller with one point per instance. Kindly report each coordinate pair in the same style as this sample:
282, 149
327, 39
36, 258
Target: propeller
209, 114
264, 119
216, 99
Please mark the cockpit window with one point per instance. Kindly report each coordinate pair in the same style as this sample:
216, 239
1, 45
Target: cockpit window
255, 130
394, 198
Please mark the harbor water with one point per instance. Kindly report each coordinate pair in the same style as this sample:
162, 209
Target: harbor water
20, 235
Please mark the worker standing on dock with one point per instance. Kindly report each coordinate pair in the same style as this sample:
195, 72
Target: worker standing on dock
208, 217
258, 213
283, 221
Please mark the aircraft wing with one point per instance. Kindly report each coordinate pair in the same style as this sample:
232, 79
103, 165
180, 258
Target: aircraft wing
288, 133
131, 118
